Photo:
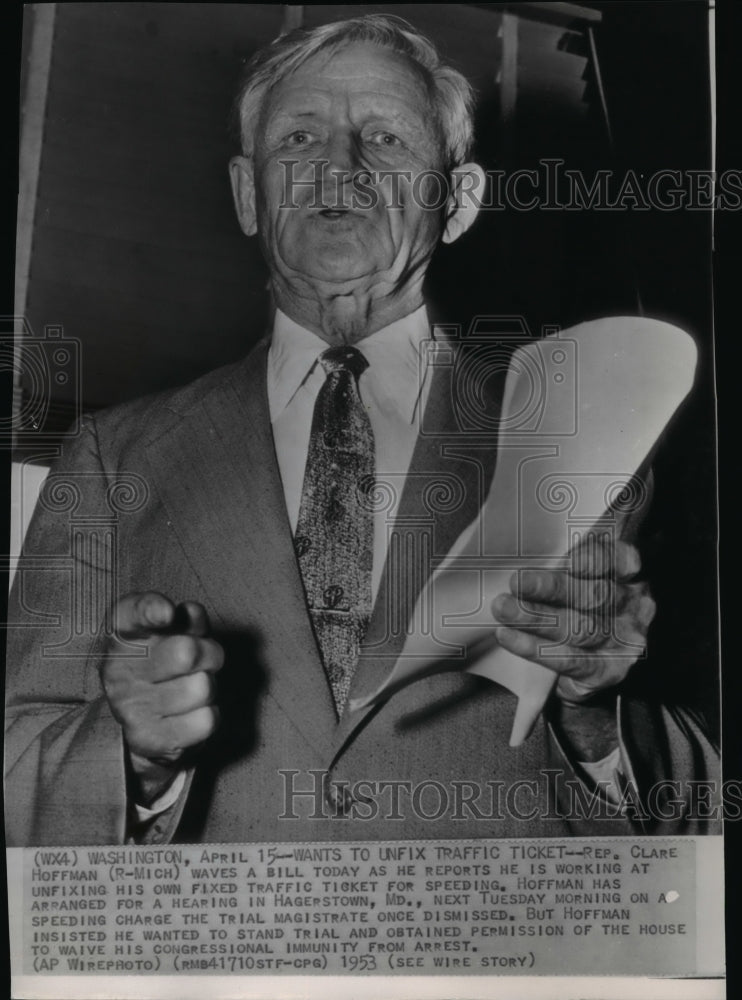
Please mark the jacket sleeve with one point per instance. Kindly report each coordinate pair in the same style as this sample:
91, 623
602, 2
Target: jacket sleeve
65, 773
670, 765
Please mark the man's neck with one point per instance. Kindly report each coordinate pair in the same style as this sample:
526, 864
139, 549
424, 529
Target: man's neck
346, 318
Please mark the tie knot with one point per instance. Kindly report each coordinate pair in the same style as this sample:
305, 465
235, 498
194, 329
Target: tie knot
337, 359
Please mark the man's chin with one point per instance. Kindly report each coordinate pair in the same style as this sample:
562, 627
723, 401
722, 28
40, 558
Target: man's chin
340, 266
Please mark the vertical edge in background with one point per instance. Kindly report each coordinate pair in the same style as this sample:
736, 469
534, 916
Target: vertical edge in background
39, 19
712, 99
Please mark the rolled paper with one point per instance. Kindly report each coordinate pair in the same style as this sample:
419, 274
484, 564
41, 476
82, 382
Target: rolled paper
582, 410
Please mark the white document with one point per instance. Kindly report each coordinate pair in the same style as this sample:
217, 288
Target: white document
581, 412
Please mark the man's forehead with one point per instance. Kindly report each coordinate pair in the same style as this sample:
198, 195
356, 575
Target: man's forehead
360, 69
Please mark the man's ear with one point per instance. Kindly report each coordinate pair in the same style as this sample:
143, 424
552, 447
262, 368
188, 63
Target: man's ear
467, 194
243, 191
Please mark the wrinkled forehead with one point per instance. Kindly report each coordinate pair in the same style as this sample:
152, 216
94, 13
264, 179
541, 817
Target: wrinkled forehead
363, 73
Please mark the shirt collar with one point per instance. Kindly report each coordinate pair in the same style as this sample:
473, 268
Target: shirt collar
395, 354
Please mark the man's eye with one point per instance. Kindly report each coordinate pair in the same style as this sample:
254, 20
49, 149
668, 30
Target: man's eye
386, 139
299, 138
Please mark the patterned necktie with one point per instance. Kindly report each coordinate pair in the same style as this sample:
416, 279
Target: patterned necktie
334, 531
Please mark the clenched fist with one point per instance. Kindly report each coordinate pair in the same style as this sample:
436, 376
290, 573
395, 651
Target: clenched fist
163, 701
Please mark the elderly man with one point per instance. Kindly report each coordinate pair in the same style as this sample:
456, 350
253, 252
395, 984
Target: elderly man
257, 583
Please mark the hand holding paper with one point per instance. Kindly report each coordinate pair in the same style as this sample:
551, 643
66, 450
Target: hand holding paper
570, 443
588, 623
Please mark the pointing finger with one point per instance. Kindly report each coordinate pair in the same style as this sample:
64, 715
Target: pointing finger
138, 616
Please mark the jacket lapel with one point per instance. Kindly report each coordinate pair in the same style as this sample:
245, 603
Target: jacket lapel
449, 476
217, 475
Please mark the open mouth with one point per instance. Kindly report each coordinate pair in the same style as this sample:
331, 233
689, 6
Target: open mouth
334, 213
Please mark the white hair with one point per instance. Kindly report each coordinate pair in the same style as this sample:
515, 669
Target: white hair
450, 91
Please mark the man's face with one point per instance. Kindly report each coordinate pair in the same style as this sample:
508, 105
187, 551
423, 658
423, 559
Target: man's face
362, 108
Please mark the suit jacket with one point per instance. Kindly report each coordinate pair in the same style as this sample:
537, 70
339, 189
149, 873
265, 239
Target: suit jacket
180, 493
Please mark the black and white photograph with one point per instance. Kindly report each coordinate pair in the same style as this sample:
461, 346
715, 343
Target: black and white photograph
364, 611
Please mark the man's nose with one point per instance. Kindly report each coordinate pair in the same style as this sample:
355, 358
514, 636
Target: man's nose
343, 155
